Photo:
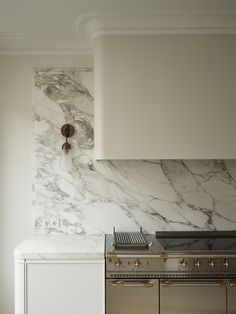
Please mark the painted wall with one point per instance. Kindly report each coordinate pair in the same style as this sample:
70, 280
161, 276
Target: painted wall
97, 195
165, 194
16, 77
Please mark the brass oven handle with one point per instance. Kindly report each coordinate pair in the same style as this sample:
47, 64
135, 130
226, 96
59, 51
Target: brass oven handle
220, 283
231, 284
139, 284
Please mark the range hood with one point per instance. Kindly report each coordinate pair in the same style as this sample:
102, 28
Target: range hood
166, 89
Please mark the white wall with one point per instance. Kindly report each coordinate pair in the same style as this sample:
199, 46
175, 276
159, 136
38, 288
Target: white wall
15, 157
165, 96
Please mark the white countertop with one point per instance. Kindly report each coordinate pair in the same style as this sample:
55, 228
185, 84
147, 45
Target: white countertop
61, 247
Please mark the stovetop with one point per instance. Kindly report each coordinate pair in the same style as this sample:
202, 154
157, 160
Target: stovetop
177, 242
204, 241
173, 255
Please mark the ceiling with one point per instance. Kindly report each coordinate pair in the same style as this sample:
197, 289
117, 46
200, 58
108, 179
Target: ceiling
56, 18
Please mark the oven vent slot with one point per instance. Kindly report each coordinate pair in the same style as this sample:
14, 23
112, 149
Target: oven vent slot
171, 275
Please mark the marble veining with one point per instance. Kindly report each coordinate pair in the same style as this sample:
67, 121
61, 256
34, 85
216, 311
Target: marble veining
96, 195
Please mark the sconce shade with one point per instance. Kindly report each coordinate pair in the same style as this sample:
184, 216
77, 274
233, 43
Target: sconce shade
66, 146
66, 160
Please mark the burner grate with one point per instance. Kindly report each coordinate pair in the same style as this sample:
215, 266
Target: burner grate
130, 240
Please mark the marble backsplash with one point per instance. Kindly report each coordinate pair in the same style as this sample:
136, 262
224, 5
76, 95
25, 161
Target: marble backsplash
97, 195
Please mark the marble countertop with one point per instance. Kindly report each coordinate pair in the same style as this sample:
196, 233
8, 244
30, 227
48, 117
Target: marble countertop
61, 247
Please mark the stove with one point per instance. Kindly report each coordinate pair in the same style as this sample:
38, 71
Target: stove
171, 272
171, 255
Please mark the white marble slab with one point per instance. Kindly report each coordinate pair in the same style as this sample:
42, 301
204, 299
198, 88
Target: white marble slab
97, 195
61, 247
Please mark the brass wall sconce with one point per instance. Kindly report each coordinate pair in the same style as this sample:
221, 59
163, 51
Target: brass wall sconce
67, 131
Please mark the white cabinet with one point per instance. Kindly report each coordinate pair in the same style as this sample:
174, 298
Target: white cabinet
59, 287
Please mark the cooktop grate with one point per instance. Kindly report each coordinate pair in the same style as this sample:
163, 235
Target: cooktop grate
130, 240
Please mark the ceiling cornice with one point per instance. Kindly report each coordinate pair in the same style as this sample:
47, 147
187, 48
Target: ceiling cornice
94, 24
24, 45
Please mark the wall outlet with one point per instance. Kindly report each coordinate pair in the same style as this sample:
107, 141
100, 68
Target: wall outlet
50, 222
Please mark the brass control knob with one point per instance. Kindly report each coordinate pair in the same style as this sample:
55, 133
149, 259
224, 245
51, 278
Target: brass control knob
182, 263
137, 263
225, 263
197, 263
117, 263
211, 263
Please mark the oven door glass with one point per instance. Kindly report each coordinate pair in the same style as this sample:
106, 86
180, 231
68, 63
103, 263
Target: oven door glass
132, 296
192, 297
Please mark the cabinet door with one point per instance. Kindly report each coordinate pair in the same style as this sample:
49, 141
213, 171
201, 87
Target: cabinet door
231, 300
132, 297
192, 298
65, 288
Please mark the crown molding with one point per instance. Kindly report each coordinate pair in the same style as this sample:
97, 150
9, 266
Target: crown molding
45, 52
12, 45
94, 24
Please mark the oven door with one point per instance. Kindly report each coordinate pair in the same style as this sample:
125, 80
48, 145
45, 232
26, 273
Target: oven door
231, 297
132, 296
193, 297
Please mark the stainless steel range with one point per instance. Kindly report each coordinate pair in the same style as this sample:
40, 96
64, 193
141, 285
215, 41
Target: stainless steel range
187, 272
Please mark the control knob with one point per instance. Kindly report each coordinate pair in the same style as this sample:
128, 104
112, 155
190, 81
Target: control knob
117, 263
197, 263
225, 263
137, 263
182, 263
211, 263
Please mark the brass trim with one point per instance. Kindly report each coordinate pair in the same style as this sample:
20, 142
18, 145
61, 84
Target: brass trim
163, 257
223, 284
118, 284
138, 284
111, 255
148, 285
220, 284
231, 284
167, 284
